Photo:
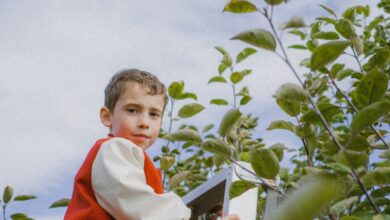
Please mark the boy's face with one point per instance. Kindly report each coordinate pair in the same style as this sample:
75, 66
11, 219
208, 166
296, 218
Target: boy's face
137, 115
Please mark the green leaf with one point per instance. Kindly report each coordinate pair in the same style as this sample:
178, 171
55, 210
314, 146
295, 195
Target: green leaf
311, 45
217, 146
301, 34
315, 27
316, 85
239, 187
190, 110
377, 177
264, 162
329, 10
60, 203
374, 23
244, 54
226, 60
24, 197
366, 11
217, 79
357, 143
294, 22
244, 156
357, 44
244, 91
385, 154
245, 100
290, 97
342, 205
380, 59
273, 2
207, 128
327, 20
186, 134
350, 14
20, 216
369, 115
327, 110
326, 53
175, 180
219, 102
221, 68
8, 193
337, 67
240, 6
166, 162
257, 37
381, 192
228, 121
218, 159
278, 149
353, 159
175, 90
371, 87
310, 199
298, 46
344, 73
188, 95
345, 28
338, 167
330, 35
280, 124
236, 77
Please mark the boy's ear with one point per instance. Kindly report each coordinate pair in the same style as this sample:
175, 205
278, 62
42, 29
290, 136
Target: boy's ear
105, 117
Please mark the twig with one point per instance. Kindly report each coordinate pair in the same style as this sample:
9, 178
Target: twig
305, 146
376, 209
255, 175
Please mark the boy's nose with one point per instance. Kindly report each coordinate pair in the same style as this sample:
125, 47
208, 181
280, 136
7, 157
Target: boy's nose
143, 122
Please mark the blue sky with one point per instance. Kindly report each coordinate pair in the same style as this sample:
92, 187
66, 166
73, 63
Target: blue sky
57, 56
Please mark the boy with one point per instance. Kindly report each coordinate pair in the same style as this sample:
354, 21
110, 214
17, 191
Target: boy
117, 179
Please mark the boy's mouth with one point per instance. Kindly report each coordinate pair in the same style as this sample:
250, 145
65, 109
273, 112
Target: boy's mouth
141, 136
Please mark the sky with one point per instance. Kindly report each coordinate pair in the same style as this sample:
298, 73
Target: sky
56, 57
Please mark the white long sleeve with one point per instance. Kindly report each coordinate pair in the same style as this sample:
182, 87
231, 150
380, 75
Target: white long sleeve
120, 187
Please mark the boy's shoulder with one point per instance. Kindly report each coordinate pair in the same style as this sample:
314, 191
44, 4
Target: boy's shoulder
121, 147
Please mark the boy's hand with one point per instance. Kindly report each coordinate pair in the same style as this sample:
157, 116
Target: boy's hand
231, 217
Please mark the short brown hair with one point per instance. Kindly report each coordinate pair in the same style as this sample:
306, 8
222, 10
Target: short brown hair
115, 86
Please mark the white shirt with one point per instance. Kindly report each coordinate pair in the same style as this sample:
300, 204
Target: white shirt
120, 187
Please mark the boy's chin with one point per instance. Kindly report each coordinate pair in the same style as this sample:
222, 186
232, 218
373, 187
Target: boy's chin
144, 146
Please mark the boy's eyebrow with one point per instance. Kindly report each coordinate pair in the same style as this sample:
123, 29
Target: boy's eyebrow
132, 105
156, 109
140, 106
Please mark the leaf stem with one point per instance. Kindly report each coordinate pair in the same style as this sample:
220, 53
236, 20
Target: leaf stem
4, 206
357, 59
305, 146
169, 131
255, 175
376, 209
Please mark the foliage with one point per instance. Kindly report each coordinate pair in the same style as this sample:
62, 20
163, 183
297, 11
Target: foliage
8, 198
342, 130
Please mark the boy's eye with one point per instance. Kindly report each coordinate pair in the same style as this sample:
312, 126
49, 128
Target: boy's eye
132, 110
154, 114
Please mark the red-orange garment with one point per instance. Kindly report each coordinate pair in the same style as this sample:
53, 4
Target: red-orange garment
83, 204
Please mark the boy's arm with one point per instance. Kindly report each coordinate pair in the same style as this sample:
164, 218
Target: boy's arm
120, 186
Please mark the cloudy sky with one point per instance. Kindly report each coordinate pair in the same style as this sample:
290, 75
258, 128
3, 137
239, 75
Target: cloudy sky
57, 56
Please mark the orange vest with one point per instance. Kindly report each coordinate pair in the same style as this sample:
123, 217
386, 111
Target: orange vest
84, 205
